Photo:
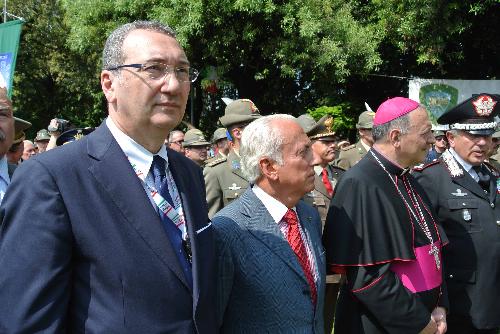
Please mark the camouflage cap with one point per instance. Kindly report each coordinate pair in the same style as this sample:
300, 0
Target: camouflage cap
43, 134
219, 134
315, 130
194, 137
365, 120
240, 111
19, 126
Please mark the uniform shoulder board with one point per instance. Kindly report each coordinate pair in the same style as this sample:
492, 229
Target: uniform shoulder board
421, 167
216, 162
347, 148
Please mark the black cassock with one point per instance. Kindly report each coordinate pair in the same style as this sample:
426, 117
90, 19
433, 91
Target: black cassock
375, 235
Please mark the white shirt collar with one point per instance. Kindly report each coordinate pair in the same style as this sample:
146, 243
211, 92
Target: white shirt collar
276, 209
4, 169
318, 170
367, 148
136, 153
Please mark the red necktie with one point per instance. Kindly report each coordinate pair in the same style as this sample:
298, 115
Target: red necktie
326, 181
298, 247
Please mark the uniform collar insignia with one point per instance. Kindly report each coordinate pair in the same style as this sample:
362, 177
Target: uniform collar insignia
459, 193
452, 164
235, 164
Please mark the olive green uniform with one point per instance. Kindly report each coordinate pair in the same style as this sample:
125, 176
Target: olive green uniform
350, 155
224, 182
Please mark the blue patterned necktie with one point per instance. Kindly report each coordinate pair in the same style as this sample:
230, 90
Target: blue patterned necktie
173, 233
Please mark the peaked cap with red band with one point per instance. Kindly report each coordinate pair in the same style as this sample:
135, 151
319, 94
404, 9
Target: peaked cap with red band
394, 108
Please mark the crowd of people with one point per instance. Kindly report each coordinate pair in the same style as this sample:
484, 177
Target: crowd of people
275, 225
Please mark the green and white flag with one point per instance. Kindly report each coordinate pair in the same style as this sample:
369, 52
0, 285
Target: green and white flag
10, 32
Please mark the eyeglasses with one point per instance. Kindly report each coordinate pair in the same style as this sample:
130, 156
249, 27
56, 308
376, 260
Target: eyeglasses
440, 138
179, 142
159, 71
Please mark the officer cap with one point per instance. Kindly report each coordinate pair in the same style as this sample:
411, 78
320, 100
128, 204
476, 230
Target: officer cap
73, 134
19, 126
365, 120
194, 137
239, 111
474, 115
41, 135
316, 130
219, 134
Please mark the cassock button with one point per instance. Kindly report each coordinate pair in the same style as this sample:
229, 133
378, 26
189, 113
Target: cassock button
493, 205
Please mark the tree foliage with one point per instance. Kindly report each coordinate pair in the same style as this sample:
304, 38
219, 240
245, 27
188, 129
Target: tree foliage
288, 56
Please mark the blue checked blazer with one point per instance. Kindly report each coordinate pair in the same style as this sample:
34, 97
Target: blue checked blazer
261, 285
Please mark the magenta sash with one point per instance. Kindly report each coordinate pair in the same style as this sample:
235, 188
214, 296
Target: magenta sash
422, 274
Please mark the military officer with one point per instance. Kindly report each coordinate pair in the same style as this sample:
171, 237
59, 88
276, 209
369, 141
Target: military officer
350, 155
223, 178
465, 192
220, 143
196, 146
323, 146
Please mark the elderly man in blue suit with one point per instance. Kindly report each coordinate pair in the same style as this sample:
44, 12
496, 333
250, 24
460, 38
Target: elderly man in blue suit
271, 263
110, 233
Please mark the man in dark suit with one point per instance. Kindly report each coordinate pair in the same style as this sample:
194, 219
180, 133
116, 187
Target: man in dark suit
110, 233
271, 265
464, 190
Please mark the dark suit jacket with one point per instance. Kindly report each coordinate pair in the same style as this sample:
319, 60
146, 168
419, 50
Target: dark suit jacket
261, 285
83, 250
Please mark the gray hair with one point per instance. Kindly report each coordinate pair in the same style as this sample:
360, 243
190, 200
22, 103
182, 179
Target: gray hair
112, 55
172, 134
402, 123
261, 139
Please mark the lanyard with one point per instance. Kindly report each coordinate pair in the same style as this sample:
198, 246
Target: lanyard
176, 215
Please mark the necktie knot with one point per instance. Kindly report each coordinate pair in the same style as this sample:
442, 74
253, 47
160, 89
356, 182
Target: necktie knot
484, 178
158, 166
290, 217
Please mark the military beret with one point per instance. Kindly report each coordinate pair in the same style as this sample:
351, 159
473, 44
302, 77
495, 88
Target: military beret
474, 115
73, 134
239, 111
194, 137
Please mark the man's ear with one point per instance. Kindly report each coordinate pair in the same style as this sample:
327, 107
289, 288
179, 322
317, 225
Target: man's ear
268, 168
395, 137
107, 84
451, 138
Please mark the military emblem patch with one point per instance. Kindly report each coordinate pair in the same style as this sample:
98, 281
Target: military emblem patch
484, 105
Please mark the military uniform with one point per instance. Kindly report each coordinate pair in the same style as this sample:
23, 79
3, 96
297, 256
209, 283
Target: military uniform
350, 155
466, 195
471, 220
224, 180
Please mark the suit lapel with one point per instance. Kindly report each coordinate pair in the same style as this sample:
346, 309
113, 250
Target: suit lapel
113, 172
320, 186
262, 226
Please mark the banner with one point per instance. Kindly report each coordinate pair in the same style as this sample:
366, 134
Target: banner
10, 32
439, 95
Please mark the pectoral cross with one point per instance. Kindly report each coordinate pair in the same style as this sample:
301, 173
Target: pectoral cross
435, 252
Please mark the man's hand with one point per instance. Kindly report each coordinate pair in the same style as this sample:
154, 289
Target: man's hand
431, 327
439, 316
